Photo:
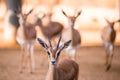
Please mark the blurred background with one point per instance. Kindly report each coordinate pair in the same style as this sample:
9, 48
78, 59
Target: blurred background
90, 56
89, 24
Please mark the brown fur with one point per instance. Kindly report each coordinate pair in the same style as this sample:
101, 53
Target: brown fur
30, 32
51, 30
66, 69
107, 35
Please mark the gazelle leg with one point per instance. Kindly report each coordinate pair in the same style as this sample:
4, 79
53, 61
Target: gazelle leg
28, 56
77, 75
110, 62
110, 57
107, 53
107, 57
22, 59
32, 64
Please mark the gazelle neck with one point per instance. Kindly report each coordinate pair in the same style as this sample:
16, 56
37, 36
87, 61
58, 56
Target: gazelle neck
22, 22
40, 24
68, 32
51, 75
71, 32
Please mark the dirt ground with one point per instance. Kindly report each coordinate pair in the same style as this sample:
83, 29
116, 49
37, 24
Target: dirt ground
90, 59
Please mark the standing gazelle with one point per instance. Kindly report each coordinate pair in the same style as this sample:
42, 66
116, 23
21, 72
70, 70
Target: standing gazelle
66, 69
72, 34
108, 37
26, 36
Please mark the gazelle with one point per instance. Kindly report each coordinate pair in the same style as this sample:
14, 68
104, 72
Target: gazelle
67, 69
50, 30
108, 37
72, 34
26, 36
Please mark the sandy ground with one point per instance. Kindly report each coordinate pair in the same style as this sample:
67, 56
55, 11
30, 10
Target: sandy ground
90, 59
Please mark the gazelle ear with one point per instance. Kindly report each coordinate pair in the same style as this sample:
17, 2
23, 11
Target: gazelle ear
17, 13
64, 13
29, 12
67, 43
107, 20
117, 20
78, 13
43, 44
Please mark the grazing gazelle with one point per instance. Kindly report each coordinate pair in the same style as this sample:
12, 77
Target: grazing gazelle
72, 34
50, 30
26, 36
108, 37
67, 69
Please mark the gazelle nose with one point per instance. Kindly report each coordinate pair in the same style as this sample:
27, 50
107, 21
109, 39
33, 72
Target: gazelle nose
71, 25
53, 62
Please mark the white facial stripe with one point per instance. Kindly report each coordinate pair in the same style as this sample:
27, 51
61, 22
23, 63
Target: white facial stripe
52, 59
57, 53
59, 50
54, 47
45, 45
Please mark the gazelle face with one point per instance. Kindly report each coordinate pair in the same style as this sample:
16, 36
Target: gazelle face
39, 19
110, 24
71, 19
54, 52
23, 17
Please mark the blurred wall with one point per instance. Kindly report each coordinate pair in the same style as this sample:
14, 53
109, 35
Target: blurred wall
76, 3
87, 21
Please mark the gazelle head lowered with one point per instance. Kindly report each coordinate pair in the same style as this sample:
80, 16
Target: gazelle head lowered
54, 52
71, 19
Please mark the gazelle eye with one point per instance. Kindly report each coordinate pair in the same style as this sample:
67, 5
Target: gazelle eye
58, 53
48, 52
